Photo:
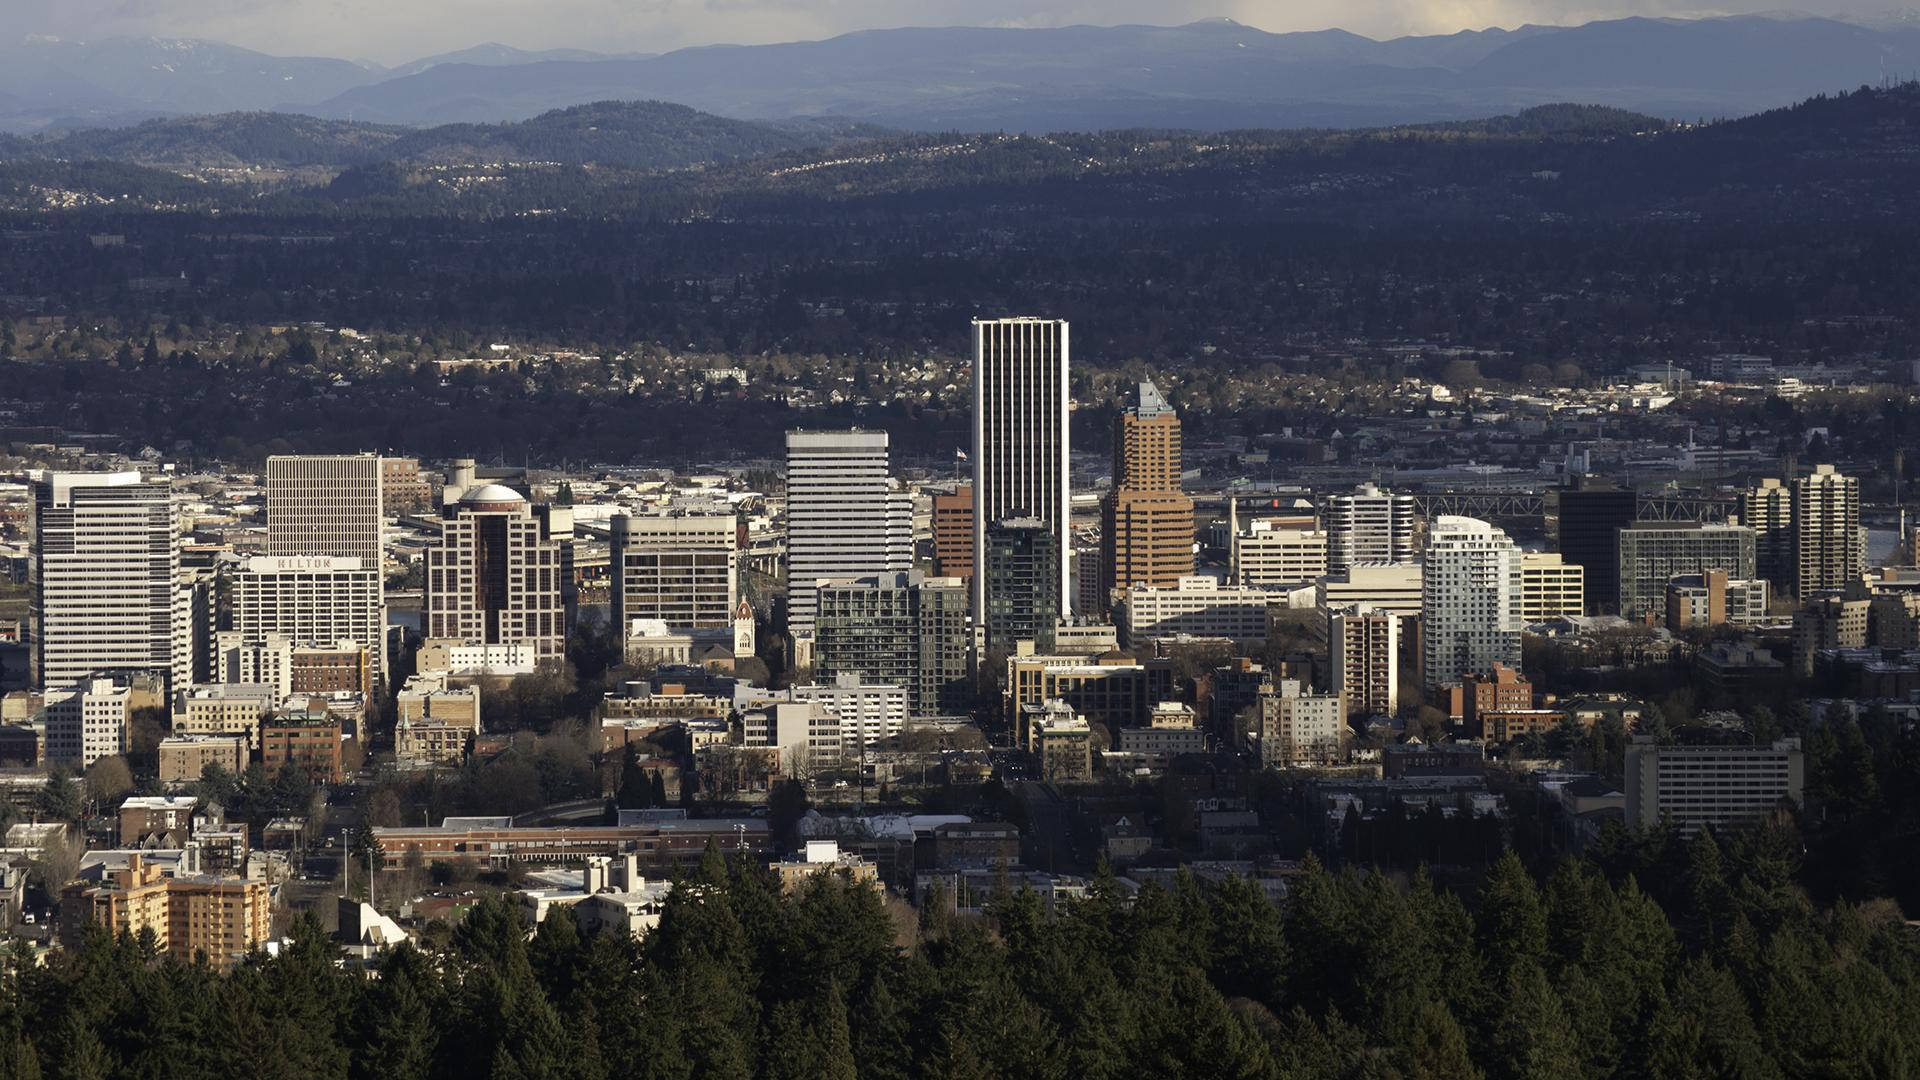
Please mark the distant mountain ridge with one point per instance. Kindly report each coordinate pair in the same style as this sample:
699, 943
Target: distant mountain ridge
1848, 157
633, 134
1211, 75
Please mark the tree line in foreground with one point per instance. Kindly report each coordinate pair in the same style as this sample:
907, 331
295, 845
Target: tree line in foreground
1722, 968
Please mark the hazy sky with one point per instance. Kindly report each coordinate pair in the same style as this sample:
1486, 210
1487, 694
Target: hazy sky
392, 31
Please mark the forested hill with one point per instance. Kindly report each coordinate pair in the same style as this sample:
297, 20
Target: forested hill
630, 134
1719, 967
1560, 120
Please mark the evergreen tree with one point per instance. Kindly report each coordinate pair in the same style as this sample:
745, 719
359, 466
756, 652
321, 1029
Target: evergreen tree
1433, 1046
1513, 922
1705, 1030
397, 1032
77, 1052
1532, 1040
809, 1040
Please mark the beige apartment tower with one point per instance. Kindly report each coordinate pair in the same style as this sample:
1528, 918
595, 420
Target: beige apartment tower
1021, 402
1364, 648
1827, 544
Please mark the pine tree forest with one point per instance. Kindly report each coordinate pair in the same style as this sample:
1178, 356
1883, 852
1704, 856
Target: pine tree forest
1666, 958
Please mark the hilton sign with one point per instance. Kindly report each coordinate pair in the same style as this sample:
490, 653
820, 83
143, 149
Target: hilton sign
302, 564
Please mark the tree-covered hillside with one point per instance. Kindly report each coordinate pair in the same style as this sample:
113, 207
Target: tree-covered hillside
628, 134
1722, 970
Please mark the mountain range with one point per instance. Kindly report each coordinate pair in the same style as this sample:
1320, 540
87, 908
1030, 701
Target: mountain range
1211, 75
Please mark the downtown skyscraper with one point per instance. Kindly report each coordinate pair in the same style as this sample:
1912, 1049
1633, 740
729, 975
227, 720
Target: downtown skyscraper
324, 577
845, 519
1146, 533
106, 595
1021, 403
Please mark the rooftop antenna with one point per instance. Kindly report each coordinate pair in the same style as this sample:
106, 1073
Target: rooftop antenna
1899, 468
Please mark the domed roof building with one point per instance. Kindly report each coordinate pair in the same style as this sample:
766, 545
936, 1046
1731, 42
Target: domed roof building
502, 573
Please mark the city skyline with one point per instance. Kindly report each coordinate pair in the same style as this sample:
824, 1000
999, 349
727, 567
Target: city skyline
988, 552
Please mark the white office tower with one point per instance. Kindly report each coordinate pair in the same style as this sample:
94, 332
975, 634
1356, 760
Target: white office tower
105, 577
330, 507
844, 519
311, 600
325, 504
1470, 601
682, 571
1020, 408
1368, 525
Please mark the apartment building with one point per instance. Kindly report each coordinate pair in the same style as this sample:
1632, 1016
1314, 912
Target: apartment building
1364, 659
903, 629
224, 709
224, 918
1470, 603
1653, 554
184, 758
105, 580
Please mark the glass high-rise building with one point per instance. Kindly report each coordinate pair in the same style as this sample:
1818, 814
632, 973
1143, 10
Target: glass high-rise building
1590, 519
901, 629
1022, 561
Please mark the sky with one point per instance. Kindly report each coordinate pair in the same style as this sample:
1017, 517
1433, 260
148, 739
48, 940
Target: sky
394, 31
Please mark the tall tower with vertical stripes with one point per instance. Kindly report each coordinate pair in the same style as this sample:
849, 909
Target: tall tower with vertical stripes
1020, 409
